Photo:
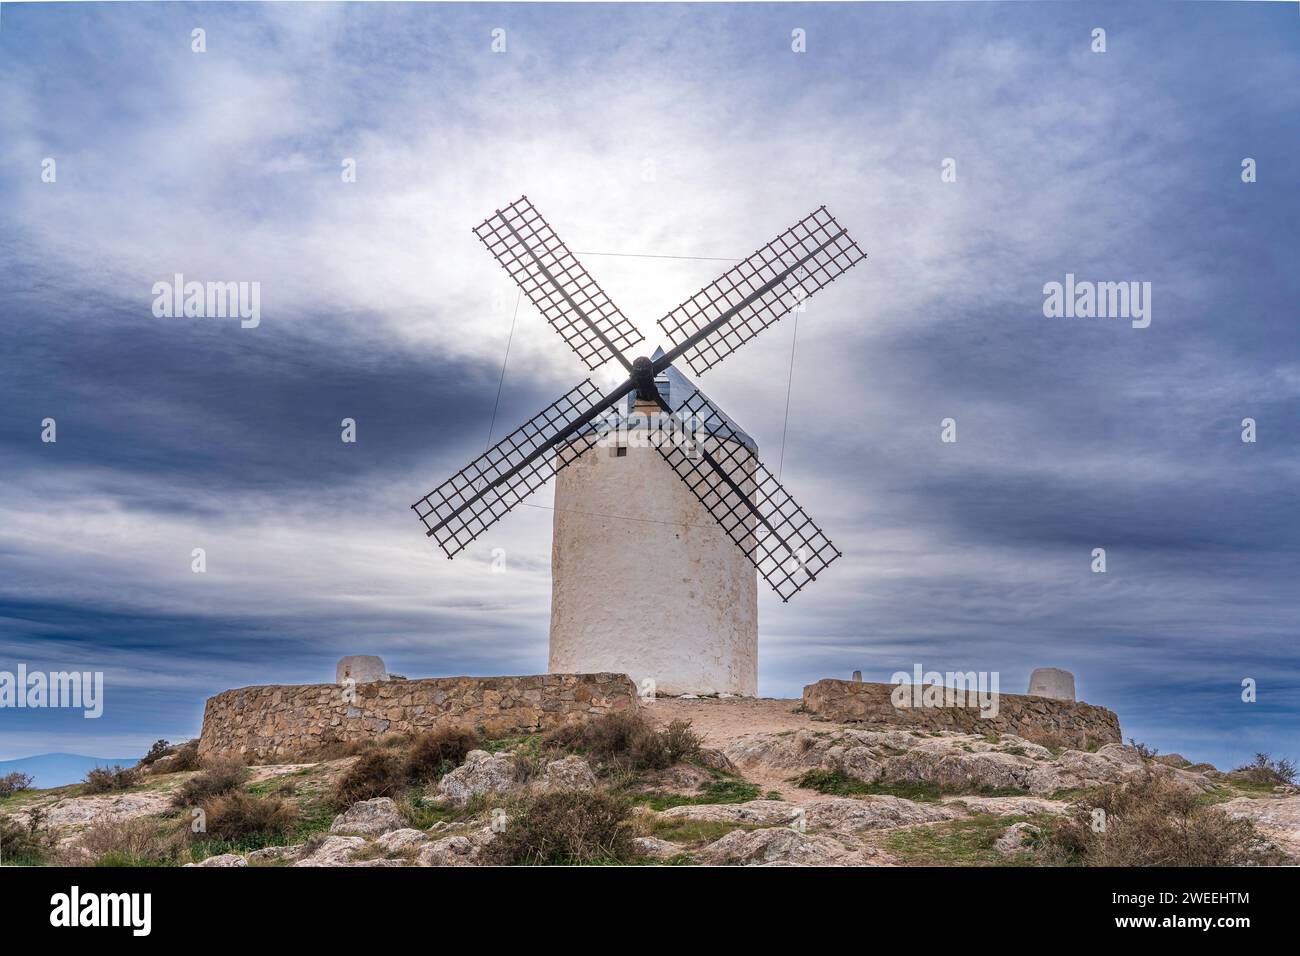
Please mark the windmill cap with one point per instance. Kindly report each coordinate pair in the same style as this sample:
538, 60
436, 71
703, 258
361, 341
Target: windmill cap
680, 389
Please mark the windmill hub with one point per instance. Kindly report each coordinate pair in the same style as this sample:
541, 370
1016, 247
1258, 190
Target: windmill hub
643, 377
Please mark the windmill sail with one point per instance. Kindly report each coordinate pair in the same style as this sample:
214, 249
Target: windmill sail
759, 291
556, 282
718, 464
484, 491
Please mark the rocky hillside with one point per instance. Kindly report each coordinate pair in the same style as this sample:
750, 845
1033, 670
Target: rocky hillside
749, 782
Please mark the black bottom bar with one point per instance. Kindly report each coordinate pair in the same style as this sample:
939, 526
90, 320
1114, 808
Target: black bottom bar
355, 907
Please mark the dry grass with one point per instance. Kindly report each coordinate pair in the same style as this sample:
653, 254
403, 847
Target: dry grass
439, 751
626, 740
141, 841
15, 782
1152, 821
28, 843
187, 757
377, 773
238, 816
1267, 772
108, 779
566, 827
221, 776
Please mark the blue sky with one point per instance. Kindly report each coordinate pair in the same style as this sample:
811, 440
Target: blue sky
676, 130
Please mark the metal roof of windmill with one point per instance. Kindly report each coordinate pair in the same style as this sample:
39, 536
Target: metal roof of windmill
679, 389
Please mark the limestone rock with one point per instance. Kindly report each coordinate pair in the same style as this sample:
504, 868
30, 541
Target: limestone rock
102, 808
269, 854
850, 816
656, 848
331, 851
1007, 806
224, 859
396, 841
570, 773
480, 773
957, 770
775, 846
1015, 839
369, 817
450, 851
1278, 818
756, 812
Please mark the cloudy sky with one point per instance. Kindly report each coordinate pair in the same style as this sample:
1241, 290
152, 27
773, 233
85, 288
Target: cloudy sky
690, 131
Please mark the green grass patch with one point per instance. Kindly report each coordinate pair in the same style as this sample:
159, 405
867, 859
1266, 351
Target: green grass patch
692, 832
965, 842
838, 783
719, 791
530, 744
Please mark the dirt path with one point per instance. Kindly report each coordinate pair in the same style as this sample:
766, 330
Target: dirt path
723, 720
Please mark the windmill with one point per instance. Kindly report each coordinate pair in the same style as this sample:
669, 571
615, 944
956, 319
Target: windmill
727, 487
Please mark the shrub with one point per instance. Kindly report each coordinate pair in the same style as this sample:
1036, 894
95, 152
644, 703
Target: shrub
1151, 821
118, 842
1273, 773
12, 783
107, 779
566, 827
626, 740
377, 773
185, 757
237, 816
221, 776
1145, 752
439, 751
680, 741
25, 842
160, 748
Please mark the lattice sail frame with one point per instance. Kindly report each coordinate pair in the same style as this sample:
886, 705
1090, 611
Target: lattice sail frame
819, 268
557, 283
467, 503
759, 515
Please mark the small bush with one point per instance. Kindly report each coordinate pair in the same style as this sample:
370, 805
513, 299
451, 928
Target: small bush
186, 757
221, 776
25, 843
680, 741
12, 783
626, 740
160, 748
108, 779
1151, 821
1145, 752
1268, 772
377, 773
140, 841
566, 827
437, 752
239, 816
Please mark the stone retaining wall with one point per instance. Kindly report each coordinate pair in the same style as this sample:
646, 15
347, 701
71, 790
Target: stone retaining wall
1042, 720
275, 722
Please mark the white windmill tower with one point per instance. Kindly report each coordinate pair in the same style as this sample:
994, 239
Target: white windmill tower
663, 510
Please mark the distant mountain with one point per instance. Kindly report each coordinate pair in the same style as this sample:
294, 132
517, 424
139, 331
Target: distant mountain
57, 770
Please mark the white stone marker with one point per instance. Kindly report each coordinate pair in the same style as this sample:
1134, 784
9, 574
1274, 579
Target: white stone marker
362, 668
1051, 682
